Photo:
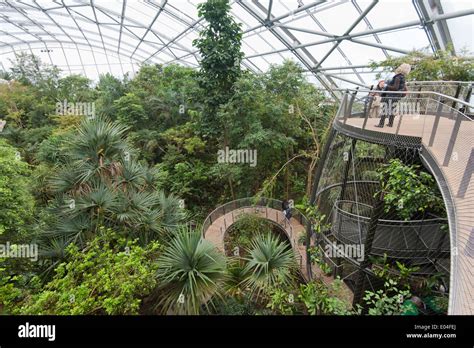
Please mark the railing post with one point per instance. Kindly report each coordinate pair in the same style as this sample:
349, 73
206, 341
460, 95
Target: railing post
452, 141
399, 122
367, 111
342, 107
348, 110
467, 175
458, 91
436, 122
468, 94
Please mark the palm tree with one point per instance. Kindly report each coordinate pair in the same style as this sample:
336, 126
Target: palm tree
190, 273
271, 263
235, 277
102, 184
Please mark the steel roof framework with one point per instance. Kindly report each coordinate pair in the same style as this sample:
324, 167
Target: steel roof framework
124, 34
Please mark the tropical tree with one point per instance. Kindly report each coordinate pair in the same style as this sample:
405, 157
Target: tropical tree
271, 263
16, 200
190, 273
109, 89
440, 65
75, 88
167, 94
219, 44
129, 111
30, 70
102, 184
110, 276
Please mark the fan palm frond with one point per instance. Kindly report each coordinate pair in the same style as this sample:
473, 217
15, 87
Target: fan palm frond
190, 272
271, 263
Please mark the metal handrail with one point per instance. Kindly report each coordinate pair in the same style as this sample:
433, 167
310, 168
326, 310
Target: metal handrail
386, 221
459, 101
302, 219
248, 202
440, 82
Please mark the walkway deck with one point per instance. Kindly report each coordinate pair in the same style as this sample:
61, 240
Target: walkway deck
454, 156
293, 229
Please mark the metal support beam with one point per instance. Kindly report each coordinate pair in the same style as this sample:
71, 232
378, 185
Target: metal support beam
437, 32
347, 32
286, 43
369, 239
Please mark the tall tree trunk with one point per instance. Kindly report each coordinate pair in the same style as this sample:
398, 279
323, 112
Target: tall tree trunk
231, 186
287, 181
309, 180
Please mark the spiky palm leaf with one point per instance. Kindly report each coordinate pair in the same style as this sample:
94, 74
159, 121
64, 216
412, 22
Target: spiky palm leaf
172, 213
99, 139
132, 175
235, 277
109, 188
271, 263
191, 269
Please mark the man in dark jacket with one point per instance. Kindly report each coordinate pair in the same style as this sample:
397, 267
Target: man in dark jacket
285, 205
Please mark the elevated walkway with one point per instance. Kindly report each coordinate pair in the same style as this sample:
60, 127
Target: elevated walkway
445, 139
218, 222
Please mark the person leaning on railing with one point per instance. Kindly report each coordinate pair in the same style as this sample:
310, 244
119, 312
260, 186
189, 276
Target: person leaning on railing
377, 98
389, 100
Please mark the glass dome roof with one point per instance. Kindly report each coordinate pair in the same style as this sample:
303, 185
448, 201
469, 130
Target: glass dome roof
334, 41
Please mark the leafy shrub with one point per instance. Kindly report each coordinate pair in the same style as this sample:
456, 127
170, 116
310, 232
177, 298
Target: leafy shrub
110, 276
16, 201
386, 301
407, 190
319, 298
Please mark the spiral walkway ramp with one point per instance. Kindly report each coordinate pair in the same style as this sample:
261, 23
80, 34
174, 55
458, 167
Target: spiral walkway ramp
440, 127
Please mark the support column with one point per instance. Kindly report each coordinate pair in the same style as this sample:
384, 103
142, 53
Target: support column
341, 197
369, 239
312, 199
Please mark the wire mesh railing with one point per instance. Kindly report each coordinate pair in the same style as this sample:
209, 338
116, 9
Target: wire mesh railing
457, 89
432, 124
396, 238
426, 116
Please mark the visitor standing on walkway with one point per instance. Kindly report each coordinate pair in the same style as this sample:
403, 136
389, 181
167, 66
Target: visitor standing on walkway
389, 100
285, 205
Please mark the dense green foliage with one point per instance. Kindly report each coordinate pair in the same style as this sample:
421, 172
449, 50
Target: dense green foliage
239, 237
16, 201
112, 199
109, 276
409, 191
441, 65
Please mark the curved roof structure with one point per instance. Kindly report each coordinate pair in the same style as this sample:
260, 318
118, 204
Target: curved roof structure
334, 41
